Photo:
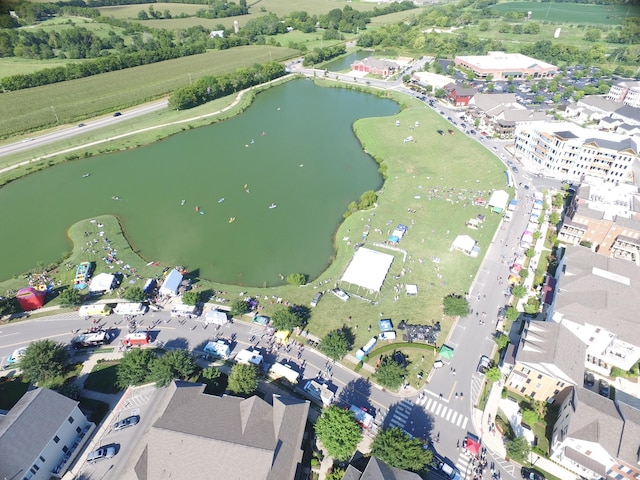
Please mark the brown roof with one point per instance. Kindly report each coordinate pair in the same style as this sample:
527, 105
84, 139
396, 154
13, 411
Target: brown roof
244, 438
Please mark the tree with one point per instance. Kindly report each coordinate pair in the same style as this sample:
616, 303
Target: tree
134, 367
243, 379
483, 26
554, 218
296, 279
518, 291
592, 35
455, 305
336, 344
239, 307
213, 377
43, 361
529, 252
439, 93
335, 474
339, 432
70, 297
133, 294
286, 319
529, 417
394, 447
494, 374
501, 340
518, 449
176, 364
191, 297
389, 373
512, 314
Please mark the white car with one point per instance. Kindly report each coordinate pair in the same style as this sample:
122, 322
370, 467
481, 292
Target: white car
341, 294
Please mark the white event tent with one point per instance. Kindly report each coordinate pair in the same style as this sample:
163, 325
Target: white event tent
368, 269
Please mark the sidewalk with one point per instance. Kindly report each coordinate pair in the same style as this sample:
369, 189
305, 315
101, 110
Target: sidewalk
494, 442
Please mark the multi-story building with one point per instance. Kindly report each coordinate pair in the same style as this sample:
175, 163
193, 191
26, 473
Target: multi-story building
501, 66
566, 151
41, 435
499, 113
606, 217
457, 95
627, 92
596, 300
548, 359
597, 438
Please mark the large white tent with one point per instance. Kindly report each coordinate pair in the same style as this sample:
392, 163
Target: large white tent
368, 269
103, 282
498, 200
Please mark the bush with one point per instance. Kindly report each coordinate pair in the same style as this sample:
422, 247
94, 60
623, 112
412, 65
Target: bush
297, 279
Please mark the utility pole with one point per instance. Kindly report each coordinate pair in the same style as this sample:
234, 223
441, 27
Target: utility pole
56, 115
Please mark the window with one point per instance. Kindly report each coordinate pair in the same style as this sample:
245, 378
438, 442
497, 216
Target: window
56, 439
538, 385
78, 430
65, 449
70, 420
539, 376
42, 459
35, 467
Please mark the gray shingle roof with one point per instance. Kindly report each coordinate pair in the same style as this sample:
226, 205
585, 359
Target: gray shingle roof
630, 442
376, 469
596, 419
245, 438
591, 299
600, 102
29, 426
618, 146
549, 347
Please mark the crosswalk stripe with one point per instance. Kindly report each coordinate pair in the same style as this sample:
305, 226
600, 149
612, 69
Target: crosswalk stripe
429, 402
460, 419
444, 412
464, 424
449, 415
454, 417
401, 415
433, 407
439, 408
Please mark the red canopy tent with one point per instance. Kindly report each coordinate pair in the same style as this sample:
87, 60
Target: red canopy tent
472, 444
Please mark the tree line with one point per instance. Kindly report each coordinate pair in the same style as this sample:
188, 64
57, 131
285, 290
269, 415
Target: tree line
209, 88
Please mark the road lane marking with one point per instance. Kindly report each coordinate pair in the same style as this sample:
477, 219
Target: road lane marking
35, 340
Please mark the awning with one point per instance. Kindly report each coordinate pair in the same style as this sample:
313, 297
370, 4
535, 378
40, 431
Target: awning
446, 352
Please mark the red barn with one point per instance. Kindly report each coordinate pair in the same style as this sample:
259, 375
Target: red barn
31, 298
458, 95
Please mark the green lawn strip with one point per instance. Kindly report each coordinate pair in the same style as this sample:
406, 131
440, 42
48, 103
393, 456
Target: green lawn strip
541, 429
103, 378
484, 395
31, 108
11, 390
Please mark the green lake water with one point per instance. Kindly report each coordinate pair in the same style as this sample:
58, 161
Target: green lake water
294, 147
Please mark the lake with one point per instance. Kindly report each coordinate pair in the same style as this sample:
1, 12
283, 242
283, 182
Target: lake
202, 198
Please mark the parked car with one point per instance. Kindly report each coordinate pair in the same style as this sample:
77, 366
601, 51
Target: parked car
515, 169
589, 379
81, 125
531, 474
603, 388
316, 298
108, 451
445, 466
341, 294
126, 422
484, 364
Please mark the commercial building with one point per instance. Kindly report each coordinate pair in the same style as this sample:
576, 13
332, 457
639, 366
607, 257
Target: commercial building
375, 66
457, 95
606, 217
500, 113
198, 434
627, 92
502, 66
566, 151
41, 436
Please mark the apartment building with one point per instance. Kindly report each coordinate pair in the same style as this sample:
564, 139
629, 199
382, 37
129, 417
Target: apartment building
566, 151
627, 92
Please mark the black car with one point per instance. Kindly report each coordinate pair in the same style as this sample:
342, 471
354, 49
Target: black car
603, 388
515, 169
589, 379
117, 114
473, 132
531, 474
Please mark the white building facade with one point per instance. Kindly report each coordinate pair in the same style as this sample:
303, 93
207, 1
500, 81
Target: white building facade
627, 92
565, 151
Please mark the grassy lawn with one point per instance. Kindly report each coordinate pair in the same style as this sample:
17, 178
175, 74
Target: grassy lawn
544, 427
94, 410
568, 12
12, 390
103, 378
34, 108
131, 11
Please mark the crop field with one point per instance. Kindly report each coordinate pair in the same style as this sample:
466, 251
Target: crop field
569, 12
34, 108
62, 23
16, 65
131, 11
279, 7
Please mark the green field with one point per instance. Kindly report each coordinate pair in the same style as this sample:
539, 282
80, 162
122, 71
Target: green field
570, 12
20, 66
131, 11
33, 108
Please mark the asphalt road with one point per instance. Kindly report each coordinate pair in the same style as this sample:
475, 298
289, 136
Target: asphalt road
72, 131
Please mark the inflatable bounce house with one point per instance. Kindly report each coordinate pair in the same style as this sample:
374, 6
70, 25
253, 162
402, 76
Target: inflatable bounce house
31, 298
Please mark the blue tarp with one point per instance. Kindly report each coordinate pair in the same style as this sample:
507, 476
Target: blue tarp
149, 285
385, 325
